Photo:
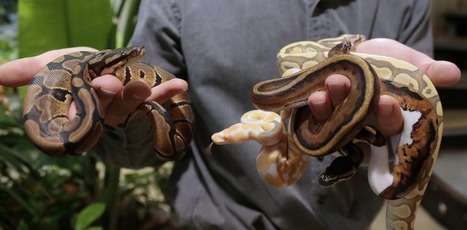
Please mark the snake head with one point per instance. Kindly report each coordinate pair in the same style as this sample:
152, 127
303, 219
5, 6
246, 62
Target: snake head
107, 61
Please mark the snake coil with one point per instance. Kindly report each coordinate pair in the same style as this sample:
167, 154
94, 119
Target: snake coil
68, 78
347, 130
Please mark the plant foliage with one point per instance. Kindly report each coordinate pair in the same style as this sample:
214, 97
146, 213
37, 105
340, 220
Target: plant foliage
41, 192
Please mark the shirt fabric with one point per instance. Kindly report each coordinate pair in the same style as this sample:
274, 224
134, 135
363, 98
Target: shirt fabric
222, 48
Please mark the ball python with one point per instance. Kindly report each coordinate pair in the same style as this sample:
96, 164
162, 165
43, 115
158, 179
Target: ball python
400, 166
68, 78
279, 162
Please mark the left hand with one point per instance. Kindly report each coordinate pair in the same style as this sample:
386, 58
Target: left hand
388, 113
116, 101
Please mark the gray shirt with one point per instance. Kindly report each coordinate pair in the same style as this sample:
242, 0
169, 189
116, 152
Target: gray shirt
222, 48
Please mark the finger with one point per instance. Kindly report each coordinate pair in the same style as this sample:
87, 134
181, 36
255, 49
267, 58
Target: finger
320, 105
168, 89
441, 73
338, 87
15, 74
389, 116
134, 93
106, 87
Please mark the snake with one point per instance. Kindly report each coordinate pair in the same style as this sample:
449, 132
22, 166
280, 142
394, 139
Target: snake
400, 166
279, 162
68, 79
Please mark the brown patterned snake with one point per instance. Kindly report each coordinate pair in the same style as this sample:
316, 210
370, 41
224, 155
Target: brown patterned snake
68, 78
347, 131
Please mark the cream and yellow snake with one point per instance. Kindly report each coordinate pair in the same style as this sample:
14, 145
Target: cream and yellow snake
68, 78
286, 148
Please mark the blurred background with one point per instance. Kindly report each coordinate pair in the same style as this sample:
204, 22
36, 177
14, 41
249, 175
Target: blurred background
40, 192
446, 198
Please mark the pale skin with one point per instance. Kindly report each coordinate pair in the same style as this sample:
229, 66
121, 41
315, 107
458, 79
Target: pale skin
117, 101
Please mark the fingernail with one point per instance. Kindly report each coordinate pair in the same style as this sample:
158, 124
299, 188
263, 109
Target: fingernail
138, 97
107, 92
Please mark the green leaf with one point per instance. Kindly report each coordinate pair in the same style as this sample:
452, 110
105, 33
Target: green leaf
126, 22
51, 24
88, 215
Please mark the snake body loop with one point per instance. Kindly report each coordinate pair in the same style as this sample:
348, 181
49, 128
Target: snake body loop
68, 78
292, 92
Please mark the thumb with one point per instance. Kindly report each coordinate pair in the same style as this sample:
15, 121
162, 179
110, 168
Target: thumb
20, 72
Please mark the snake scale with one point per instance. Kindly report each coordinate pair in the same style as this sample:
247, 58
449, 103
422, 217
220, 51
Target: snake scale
68, 78
399, 167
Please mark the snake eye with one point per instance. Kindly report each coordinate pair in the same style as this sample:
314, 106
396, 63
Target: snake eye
123, 54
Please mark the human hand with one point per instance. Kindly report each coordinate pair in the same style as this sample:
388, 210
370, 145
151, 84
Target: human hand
116, 100
388, 115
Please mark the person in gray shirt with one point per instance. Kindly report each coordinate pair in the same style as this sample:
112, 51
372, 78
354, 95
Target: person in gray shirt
221, 49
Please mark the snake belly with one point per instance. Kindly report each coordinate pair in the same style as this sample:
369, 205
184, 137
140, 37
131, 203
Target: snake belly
68, 79
405, 181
